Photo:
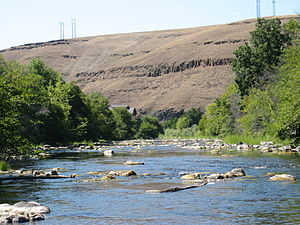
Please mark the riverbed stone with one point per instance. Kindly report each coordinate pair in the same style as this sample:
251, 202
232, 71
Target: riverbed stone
108, 177
214, 176
108, 152
22, 212
282, 177
238, 172
190, 176
133, 163
123, 173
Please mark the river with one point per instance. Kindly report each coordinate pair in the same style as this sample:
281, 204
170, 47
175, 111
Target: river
247, 200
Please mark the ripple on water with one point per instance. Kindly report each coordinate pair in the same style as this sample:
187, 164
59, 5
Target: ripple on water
247, 200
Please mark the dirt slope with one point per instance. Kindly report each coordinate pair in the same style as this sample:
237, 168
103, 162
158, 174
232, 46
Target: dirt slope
159, 72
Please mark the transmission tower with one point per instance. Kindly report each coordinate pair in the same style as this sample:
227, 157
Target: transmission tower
258, 9
62, 30
73, 28
274, 8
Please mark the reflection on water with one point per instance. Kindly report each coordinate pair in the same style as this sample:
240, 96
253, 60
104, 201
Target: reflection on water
248, 200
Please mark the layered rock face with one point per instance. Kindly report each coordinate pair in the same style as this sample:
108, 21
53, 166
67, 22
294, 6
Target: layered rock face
160, 73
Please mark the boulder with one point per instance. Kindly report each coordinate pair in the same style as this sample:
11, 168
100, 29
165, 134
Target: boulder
108, 152
282, 177
22, 212
30, 207
214, 176
108, 177
122, 173
129, 173
191, 176
238, 172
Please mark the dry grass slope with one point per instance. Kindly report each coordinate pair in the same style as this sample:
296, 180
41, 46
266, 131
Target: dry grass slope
159, 72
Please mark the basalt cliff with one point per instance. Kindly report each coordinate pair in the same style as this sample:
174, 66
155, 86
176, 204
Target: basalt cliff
160, 73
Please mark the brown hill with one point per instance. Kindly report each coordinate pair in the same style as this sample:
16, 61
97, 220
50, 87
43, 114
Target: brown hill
160, 72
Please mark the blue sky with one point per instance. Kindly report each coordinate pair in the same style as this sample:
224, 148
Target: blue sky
28, 21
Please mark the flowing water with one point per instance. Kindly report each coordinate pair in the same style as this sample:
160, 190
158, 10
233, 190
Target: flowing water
247, 200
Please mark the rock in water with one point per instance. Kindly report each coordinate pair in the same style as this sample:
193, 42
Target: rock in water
133, 163
214, 176
22, 212
191, 176
283, 177
108, 152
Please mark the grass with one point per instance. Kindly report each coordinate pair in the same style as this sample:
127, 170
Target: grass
4, 166
234, 139
193, 132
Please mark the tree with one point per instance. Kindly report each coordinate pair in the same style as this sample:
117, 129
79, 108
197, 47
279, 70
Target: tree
219, 119
183, 122
254, 64
194, 115
125, 124
149, 128
102, 123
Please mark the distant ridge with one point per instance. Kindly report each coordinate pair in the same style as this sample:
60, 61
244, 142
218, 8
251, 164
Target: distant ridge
160, 73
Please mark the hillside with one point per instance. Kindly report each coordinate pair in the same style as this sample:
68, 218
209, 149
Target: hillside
159, 73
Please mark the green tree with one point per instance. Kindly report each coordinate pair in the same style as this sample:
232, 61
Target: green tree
194, 115
219, 118
254, 64
183, 122
102, 123
149, 128
125, 124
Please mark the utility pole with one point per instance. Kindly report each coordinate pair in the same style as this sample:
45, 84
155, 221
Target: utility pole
73, 28
274, 8
258, 9
60, 30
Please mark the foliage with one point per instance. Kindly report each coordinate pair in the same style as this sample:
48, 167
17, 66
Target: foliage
38, 107
125, 124
254, 63
149, 128
4, 166
194, 116
274, 110
248, 139
170, 124
190, 132
183, 122
218, 119
286, 117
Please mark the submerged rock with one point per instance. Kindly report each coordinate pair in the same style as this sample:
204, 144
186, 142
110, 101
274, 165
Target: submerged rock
122, 173
191, 176
108, 177
133, 163
214, 176
283, 177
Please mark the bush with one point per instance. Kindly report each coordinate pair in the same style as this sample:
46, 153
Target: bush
149, 128
4, 166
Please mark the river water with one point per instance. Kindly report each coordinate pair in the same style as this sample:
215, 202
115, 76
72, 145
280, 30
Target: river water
247, 200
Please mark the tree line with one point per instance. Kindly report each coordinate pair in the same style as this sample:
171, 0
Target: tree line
264, 99
38, 107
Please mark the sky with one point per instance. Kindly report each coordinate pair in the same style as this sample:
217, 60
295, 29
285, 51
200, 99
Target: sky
29, 21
